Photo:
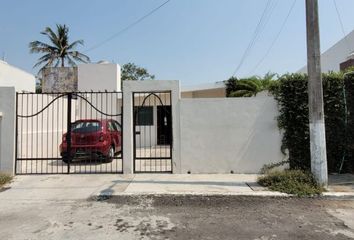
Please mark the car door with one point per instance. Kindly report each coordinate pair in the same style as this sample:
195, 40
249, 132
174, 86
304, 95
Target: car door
114, 135
119, 135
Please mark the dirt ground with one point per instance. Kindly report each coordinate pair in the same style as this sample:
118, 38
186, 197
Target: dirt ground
177, 217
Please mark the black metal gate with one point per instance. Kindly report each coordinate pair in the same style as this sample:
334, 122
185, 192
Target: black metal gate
75, 132
152, 131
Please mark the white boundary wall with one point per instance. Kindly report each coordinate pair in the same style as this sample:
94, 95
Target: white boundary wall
7, 129
221, 135
217, 135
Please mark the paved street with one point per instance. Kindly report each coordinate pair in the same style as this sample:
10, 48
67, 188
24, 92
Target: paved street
177, 217
164, 206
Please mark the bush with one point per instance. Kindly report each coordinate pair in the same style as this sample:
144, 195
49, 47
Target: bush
297, 182
349, 92
4, 178
292, 97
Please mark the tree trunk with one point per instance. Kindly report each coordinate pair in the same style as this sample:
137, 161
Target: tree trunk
62, 62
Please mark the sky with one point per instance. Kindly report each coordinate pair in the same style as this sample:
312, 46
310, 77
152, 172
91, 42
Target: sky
194, 41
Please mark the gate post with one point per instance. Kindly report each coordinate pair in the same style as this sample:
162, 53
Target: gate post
7, 129
68, 134
128, 159
129, 87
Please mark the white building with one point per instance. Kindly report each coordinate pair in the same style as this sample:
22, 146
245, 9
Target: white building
99, 76
335, 55
11, 76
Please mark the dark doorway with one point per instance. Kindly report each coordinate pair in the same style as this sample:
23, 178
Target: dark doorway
164, 125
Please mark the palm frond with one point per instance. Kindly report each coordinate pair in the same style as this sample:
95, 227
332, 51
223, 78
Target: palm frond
79, 56
70, 61
241, 93
53, 37
39, 47
74, 44
44, 59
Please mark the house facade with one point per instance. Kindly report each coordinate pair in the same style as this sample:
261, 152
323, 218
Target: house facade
11, 76
332, 58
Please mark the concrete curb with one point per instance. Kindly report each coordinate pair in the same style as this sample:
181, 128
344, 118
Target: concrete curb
246, 194
326, 195
338, 195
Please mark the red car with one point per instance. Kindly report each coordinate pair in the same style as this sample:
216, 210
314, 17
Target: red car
91, 137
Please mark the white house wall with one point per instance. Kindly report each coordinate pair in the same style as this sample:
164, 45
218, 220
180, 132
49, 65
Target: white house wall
11, 76
338, 53
41, 135
99, 77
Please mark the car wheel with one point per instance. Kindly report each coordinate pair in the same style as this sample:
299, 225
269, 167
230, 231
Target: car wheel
65, 160
110, 155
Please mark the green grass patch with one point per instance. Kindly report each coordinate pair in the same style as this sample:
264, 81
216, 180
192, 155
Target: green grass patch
4, 178
297, 182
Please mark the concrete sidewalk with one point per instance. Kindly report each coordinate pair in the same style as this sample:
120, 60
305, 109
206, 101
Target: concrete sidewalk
68, 187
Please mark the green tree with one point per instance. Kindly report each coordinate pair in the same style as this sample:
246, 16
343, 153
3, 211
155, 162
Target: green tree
130, 71
248, 87
59, 50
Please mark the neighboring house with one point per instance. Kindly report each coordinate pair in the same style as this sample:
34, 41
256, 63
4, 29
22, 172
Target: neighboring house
11, 76
335, 55
211, 90
99, 76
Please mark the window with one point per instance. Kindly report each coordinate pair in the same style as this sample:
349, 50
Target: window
144, 116
117, 125
111, 127
85, 126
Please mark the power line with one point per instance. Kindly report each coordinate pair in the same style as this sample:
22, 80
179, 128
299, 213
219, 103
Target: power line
126, 28
342, 26
256, 33
276, 38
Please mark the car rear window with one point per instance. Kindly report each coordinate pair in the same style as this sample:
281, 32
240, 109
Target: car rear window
86, 126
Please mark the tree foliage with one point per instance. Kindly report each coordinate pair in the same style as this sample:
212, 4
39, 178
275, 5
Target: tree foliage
130, 71
248, 87
292, 97
59, 50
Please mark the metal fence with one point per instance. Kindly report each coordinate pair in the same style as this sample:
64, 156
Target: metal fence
76, 132
152, 132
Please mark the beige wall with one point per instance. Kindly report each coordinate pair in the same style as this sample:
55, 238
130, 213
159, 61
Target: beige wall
207, 93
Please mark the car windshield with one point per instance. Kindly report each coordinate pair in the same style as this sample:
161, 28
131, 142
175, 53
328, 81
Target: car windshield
86, 126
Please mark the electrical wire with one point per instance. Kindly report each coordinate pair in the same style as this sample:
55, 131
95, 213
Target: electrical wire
342, 26
276, 38
255, 36
126, 28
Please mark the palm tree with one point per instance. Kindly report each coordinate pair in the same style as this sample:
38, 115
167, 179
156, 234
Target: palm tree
246, 87
59, 51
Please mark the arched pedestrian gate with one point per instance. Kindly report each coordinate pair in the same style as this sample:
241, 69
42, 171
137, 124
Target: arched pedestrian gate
152, 129
76, 132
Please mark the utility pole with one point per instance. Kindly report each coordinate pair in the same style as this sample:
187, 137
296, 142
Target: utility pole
315, 94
